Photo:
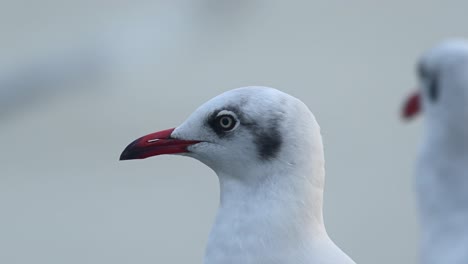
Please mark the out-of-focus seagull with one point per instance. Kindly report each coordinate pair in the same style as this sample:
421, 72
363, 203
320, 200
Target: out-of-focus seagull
442, 169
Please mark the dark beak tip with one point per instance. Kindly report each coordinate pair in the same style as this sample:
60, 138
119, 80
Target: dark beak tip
126, 154
123, 156
126, 157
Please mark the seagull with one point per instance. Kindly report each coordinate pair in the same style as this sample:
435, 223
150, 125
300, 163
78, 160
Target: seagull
266, 148
441, 181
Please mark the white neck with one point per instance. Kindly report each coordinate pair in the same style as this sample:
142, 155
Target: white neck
275, 220
442, 190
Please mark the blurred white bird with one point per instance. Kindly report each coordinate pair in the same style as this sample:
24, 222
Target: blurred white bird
266, 148
442, 168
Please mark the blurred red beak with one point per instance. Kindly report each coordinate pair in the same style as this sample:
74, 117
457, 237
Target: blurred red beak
412, 106
155, 144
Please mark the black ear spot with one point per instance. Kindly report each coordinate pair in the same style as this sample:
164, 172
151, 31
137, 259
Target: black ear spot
268, 143
267, 137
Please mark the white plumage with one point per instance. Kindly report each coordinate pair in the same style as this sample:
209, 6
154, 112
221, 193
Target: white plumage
270, 164
442, 170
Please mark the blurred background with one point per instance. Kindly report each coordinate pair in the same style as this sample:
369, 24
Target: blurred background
79, 80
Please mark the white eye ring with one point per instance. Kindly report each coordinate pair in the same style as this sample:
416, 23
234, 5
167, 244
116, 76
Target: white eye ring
227, 120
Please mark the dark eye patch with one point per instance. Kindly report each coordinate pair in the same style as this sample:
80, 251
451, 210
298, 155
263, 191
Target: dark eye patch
433, 89
431, 80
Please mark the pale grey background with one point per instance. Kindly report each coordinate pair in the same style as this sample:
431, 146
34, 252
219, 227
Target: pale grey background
134, 67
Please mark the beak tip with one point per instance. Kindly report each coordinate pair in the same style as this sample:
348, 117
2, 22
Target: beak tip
127, 154
123, 157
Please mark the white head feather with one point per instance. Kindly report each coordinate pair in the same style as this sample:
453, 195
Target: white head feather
271, 172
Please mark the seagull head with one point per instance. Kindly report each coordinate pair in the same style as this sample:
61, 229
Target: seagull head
266, 148
443, 81
242, 130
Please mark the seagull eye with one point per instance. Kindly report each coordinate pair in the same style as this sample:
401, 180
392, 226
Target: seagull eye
226, 122
223, 121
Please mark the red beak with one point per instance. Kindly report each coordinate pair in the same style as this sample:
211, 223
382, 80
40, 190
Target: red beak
155, 144
412, 106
